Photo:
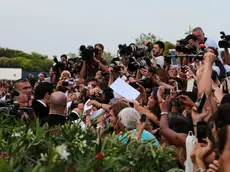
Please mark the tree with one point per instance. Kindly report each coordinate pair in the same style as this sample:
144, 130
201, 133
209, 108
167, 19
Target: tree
144, 37
168, 46
9, 63
152, 38
29, 62
72, 55
108, 57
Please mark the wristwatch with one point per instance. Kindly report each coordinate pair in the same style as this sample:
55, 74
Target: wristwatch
164, 113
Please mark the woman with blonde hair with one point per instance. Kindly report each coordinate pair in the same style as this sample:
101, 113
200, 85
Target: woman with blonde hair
65, 75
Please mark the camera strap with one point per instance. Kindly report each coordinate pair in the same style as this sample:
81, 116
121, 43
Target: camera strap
205, 39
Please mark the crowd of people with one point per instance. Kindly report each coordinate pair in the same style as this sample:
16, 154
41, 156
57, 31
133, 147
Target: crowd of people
184, 105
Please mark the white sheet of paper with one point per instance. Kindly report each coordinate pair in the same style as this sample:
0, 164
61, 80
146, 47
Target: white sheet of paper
86, 107
116, 95
96, 113
190, 84
125, 90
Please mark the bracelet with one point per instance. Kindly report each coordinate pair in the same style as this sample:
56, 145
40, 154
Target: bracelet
200, 170
159, 102
164, 113
194, 125
101, 106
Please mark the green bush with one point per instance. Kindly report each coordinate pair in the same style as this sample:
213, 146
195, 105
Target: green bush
25, 146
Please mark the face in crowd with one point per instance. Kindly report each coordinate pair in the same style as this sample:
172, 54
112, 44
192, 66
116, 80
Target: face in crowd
99, 51
157, 51
41, 77
151, 101
22, 100
24, 87
199, 34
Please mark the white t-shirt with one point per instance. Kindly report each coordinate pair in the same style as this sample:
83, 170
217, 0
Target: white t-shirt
160, 60
212, 43
227, 68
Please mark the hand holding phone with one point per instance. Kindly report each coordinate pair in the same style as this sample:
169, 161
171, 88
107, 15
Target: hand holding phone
225, 87
131, 104
168, 91
143, 118
201, 131
201, 103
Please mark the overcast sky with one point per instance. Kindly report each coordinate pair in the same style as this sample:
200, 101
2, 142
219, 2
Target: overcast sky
54, 27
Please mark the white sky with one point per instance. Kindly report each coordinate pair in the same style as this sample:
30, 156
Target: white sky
54, 27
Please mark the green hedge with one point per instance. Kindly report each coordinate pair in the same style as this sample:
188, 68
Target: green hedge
25, 146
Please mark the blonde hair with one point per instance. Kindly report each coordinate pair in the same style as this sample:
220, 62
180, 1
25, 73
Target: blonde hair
64, 75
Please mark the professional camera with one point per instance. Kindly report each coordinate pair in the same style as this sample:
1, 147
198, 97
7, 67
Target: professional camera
186, 48
70, 83
116, 62
9, 107
225, 42
137, 63
134, 50
63, 65
88, 53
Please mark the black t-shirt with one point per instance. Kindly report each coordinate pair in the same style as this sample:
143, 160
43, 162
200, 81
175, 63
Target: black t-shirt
54, 119
92, 68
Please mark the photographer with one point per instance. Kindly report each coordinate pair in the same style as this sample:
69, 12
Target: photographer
198, 32
24, 111
90, 68
226, 59
158, 50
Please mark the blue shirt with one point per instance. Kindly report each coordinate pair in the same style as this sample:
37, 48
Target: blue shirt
145, 136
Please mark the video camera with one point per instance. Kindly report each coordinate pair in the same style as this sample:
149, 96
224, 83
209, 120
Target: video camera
116, 62
9, 107
87, 53
225, 42
137, 63
63, 65
192, 52
186, 48
138, 55
73, 65
134, 50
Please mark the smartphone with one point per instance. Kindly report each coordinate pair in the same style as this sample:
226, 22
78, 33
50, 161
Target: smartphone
167, 91
201, 103
143, 118
131, 104
201, 131
134, 85
225, 87
176, 86
190, 85
183, 69
175, 102
154, 62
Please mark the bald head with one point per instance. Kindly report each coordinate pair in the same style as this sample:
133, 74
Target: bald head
58, 102
198, 32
